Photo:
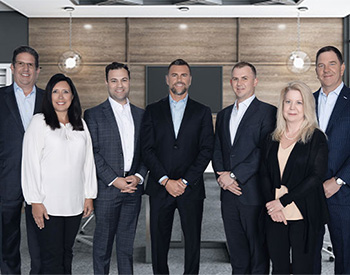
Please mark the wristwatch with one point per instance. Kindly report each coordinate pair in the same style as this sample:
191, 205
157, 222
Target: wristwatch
339, 181
232, 176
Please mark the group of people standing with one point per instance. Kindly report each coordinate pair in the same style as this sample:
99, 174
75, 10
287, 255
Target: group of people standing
283, 172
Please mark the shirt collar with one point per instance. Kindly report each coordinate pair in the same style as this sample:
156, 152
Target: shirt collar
182, 101
117, 106
336, 91
245, 103
18, 89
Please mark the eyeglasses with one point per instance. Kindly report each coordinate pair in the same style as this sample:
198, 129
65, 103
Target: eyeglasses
22, 64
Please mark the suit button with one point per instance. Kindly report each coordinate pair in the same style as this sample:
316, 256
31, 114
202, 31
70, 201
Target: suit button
232, 156
175, 147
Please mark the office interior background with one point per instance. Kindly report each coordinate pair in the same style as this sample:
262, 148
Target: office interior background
264, 35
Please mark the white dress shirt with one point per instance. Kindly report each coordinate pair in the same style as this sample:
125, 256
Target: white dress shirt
326, 105
237, 115
125, 122
126, 128
58, 168
25, 104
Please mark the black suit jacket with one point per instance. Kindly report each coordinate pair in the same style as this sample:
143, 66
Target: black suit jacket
186, 156
243, 157
338, 133
303, 176
108, 150
11, 138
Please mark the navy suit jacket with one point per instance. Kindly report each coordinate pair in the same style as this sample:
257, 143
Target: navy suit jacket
338, 133
108, 150
11, 138
243, 157
186, 156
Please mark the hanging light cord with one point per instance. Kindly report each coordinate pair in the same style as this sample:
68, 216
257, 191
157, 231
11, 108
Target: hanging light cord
298, 28
70, 30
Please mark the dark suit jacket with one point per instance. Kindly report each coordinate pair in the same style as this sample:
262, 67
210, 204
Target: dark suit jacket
338, 133
303, 176
11, 138
108, 150
186, 156
243, 157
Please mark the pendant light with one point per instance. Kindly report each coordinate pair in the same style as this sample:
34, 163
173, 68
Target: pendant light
298, 61
70, 61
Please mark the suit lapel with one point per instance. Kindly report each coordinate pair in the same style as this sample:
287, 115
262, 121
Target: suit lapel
108, 112
273, 159
11, 102
137, 123
251, 111
316, 95
227, 118
186, 117
342, 102
166, 112
38, 100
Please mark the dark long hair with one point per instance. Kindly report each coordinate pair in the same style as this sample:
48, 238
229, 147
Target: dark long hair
74, 110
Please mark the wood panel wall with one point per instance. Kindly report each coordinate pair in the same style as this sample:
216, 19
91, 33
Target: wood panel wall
205, 41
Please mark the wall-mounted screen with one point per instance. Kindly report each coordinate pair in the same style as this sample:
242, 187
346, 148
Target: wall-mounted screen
206, 86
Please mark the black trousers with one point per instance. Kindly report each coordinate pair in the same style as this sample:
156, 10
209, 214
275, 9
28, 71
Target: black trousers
162, 217
10, 232
56, 242
32, 240
248, 252
283, 238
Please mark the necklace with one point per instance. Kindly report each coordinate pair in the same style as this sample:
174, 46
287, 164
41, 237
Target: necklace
291, 138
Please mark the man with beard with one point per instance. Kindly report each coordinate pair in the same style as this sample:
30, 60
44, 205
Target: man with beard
114, 126
176, 144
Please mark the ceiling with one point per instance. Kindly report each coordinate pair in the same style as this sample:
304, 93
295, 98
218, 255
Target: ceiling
170, 8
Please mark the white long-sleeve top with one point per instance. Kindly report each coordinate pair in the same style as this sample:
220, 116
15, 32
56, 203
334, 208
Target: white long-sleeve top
58, 168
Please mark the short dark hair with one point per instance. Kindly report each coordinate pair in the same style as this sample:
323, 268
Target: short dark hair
330, 49
25, 49
179, 62
244, 64
74, 110
116, 66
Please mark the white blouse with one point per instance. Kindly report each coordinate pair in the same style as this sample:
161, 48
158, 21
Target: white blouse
58, 168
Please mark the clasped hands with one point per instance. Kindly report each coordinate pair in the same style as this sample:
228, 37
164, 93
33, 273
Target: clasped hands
227, 183
127, 184
174, 187
274, 209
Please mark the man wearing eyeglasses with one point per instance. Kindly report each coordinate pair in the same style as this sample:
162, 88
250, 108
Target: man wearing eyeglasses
18, 103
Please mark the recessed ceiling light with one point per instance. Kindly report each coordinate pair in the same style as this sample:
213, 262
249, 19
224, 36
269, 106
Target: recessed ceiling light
303, 9
183, 8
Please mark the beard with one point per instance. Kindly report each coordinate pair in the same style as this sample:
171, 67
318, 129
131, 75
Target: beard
175, 92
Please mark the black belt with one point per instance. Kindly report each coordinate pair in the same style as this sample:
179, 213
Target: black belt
126, 174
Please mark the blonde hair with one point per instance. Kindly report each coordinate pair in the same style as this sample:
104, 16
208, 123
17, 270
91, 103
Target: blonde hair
309, 124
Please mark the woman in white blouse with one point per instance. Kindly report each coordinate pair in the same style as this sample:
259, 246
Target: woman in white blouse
58, 173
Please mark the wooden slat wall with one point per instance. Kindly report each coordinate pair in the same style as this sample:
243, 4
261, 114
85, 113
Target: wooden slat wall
207, 41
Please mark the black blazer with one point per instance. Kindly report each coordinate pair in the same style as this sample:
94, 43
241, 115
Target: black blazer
11, 138
303, 176
108, 150
186, 156
243, 157
338, 133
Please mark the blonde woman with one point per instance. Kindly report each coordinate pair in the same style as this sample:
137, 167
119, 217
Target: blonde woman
294, 163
